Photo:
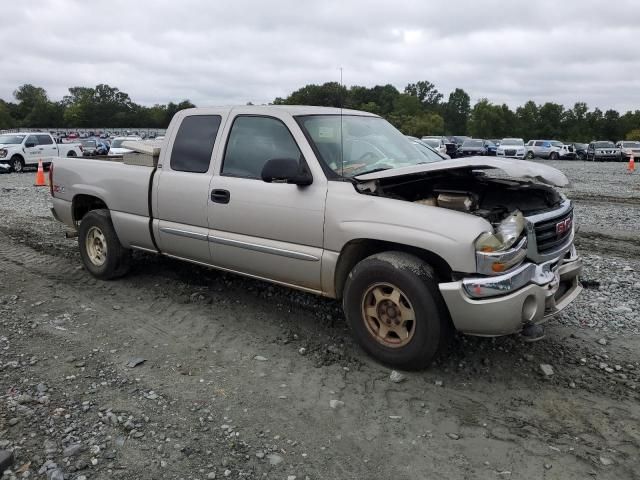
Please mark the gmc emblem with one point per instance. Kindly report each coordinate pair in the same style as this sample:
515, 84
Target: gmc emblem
563, 227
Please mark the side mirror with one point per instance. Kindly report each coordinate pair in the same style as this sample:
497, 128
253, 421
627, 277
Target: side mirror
29, 145
286, 170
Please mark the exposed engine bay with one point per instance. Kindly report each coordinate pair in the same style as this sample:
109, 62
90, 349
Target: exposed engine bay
467, 191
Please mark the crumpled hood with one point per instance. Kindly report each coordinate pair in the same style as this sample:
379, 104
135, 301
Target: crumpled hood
516, 169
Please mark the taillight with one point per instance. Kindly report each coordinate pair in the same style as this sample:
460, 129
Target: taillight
51, 178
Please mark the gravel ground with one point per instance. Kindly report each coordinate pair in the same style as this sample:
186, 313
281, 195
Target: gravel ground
242, 379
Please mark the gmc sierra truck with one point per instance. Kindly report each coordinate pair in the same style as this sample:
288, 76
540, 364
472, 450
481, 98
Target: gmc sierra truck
337, 203
25, 149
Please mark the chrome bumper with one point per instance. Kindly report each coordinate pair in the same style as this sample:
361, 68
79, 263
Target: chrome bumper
504, 304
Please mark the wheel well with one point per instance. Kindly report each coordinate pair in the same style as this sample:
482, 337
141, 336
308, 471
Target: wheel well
18, 156
357, 250
83, 204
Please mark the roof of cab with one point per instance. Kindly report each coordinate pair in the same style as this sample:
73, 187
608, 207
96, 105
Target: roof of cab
294, 110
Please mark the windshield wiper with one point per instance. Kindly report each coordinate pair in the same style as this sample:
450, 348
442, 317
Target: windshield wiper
374, 170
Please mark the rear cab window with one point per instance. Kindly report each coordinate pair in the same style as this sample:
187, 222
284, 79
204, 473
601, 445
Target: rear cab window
44, 140
194, 142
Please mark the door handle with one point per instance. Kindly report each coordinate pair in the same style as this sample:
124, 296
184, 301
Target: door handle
220, 196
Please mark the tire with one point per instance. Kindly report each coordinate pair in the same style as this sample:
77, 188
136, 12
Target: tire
100, 249
581, 157
529, 155
395, 285
554, 156
71, 153
17, 164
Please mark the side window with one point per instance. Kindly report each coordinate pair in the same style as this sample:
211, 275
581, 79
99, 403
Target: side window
538, 144
252, 142
194, 142
44, 140
31, 139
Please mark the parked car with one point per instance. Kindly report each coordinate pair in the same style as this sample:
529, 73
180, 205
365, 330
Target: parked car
26, 149
491, 147
547, 149
580, 150
603, 150
450, 147
92, 147
408, 247
436, 142
629, 149
472, 147
458, 140
117, 149
430, 153
511, 148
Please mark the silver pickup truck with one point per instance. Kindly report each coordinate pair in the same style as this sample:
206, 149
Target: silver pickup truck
341, 204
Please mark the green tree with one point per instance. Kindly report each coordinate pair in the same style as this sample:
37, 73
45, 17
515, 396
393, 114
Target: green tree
426, 92
456, 112
634, 135
527, 117
550, 117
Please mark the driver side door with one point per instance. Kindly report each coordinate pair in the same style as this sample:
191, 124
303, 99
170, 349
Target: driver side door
274, 230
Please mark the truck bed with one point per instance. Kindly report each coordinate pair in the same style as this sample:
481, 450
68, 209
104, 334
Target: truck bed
123, 187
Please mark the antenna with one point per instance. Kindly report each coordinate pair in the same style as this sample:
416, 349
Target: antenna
341, 139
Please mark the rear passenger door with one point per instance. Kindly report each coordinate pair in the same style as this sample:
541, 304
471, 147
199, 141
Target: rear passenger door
269, 230
182, 189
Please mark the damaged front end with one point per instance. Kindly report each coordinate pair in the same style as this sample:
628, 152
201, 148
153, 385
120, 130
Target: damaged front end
526, 266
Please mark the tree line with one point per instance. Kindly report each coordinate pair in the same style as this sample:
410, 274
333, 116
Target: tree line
418, 110
83, 107
422, 110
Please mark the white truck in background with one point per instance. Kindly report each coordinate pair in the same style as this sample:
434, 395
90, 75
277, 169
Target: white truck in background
26, 149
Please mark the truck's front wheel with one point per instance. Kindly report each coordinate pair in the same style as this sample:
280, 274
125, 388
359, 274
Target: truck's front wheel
100, 249
395, 310
17, 164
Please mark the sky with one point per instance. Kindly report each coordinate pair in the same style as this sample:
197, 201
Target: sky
216, 52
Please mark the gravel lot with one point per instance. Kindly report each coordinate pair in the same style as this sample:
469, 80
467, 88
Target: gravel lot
242, 379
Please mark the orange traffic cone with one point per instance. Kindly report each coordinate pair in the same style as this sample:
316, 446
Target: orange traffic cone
632, 165
40, 176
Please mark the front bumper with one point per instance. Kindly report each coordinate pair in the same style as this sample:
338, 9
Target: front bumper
533, 293
519, 156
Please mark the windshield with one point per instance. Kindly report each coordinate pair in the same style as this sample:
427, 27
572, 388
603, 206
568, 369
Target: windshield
117, 143
472, 143
512, 141
604, 145
630, 144
353, 145
11, 139
88, 143
431, 155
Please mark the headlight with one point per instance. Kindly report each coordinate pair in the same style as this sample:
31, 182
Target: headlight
505, 236
497, 252
3, 152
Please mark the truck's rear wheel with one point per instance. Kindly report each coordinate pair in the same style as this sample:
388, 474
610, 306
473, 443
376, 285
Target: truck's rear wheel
101, 252
553, 156
395, 310
17, 164
71, 154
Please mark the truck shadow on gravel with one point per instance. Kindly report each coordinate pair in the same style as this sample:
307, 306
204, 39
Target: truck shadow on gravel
320, 325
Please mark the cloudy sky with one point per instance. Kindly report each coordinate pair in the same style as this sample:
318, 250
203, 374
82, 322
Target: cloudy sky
227, 52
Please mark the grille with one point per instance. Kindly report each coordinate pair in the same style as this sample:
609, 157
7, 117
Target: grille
550, 236
509, 152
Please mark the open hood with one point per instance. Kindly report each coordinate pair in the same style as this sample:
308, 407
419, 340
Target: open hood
513, 168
